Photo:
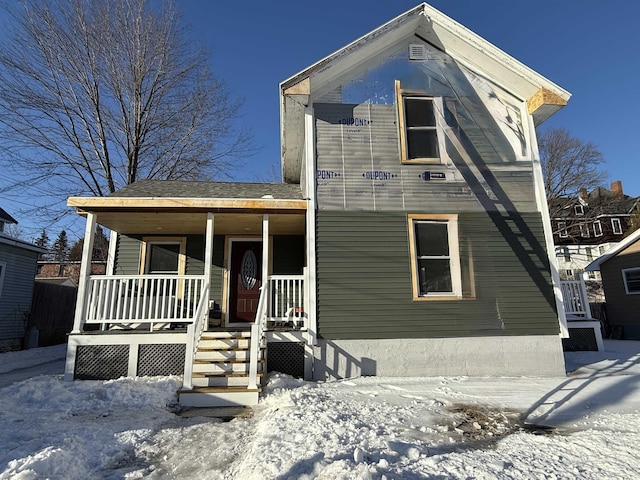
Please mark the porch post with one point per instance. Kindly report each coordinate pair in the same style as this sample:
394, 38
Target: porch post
85, 272
111, 257
208, 252
265, 249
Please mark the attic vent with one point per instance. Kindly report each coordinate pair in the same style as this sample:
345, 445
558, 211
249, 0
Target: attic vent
417, 51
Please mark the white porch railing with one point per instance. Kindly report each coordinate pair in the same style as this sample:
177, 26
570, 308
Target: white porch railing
194, 331
576, 301
286, 299
257, 335
131, 300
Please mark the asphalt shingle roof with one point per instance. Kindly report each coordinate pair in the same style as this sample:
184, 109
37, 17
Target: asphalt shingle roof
192, 189
5, 217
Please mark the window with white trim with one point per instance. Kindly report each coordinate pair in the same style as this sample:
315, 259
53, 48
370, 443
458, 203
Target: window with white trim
420, 122
597, 228
589, 252
616, 226
579, 210
562, 230
584, 230
435, 258
3, 267
631, 278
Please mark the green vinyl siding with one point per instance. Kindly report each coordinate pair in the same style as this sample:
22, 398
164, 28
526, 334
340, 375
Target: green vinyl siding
128, 259
365, 290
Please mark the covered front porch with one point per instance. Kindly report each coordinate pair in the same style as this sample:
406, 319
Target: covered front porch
180, 267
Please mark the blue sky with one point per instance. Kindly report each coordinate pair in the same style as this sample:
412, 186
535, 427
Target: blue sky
589, 47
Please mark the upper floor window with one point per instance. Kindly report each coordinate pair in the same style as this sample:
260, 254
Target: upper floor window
435, 259
631, 277
589, 253
616, 226
421, 135
584, 230
562, 230
579, 210
597, 228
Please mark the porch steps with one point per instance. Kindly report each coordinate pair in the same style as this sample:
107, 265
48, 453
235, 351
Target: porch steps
219, 396
221, 371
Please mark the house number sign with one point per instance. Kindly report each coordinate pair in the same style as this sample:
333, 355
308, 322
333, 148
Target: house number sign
248, 270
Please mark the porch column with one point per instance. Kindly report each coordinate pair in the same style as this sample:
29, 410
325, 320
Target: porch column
208, 249
85, 272
111, 257
265, 249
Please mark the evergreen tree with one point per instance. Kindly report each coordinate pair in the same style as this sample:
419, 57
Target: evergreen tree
60, 248
43, 242
100, 247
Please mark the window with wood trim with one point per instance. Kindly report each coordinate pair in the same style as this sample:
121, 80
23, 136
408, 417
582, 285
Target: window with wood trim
616, 226
631, 278
420, 122
163, 255
435, 257
578, 210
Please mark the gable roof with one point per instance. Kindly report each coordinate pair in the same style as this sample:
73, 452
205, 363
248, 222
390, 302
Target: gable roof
599, 201
422, 23
631, 239
5, 217
193, 189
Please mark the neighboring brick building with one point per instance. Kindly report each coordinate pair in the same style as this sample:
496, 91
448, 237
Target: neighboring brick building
69, 269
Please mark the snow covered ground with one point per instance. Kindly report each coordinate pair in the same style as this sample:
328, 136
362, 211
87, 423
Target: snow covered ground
453, 427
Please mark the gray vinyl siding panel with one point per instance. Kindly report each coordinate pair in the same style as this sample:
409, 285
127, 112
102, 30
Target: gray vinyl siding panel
365, 289
622, 309
17, 289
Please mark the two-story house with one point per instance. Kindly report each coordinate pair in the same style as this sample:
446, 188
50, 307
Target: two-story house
410, 237
588, 226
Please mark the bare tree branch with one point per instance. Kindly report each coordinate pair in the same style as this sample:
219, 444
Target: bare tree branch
96, 94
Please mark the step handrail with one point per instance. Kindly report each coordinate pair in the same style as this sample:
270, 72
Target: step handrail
194, 332
257, 332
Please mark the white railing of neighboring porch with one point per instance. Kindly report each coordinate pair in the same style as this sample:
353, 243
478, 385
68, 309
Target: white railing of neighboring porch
194, 332
131, 300
286, 299
576, 301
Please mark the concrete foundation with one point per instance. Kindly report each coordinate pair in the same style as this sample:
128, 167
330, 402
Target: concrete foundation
482, 356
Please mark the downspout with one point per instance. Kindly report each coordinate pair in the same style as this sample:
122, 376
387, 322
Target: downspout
543, 207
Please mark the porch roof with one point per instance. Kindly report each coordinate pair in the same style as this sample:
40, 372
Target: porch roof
172, 207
